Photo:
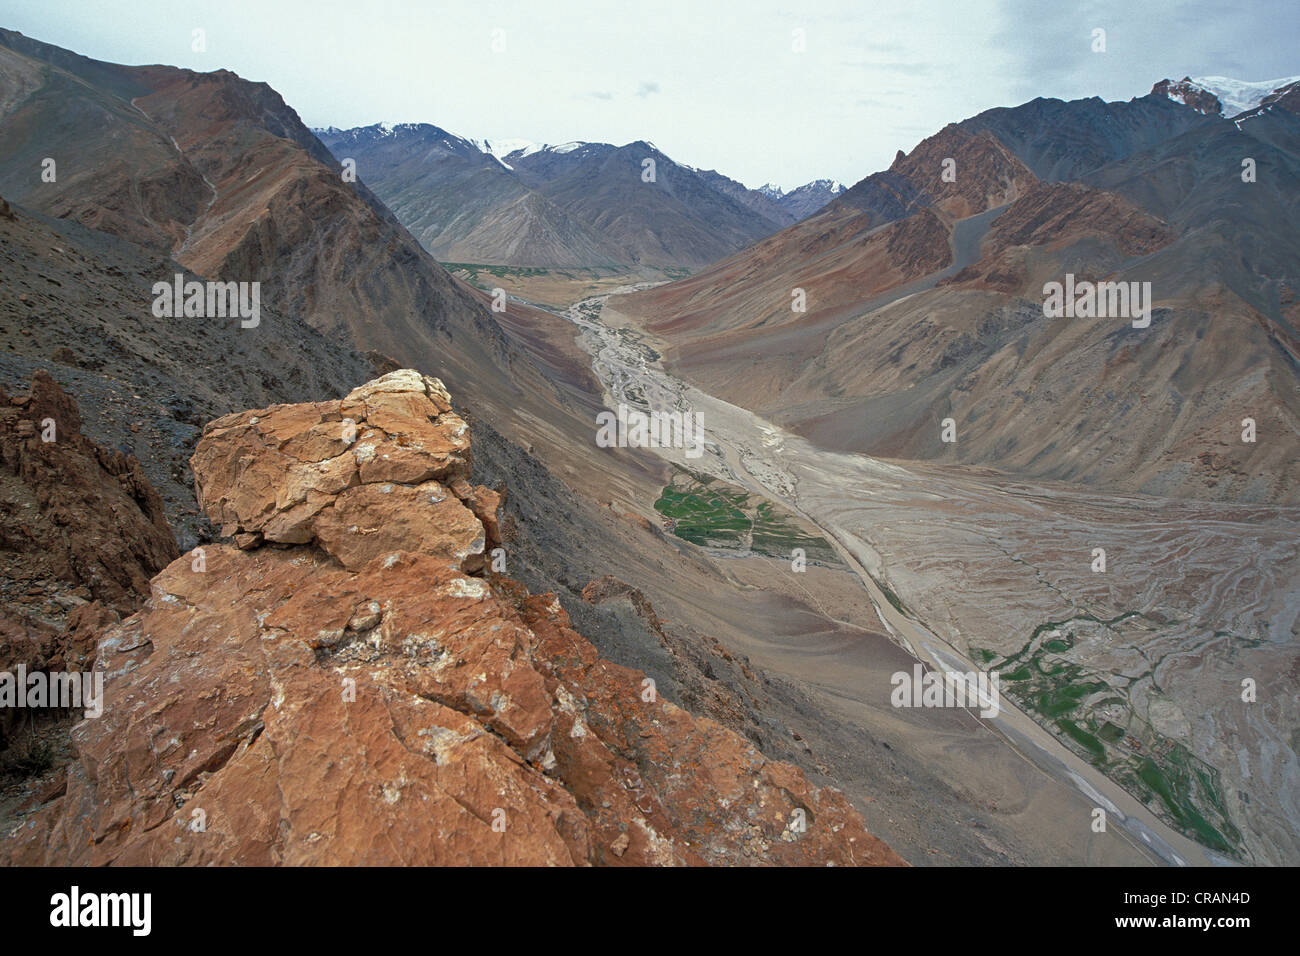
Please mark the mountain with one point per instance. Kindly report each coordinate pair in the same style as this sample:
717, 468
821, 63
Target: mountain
765, 204
462, 203
774, 203
925, 300
513, 202
214, 176
678, 219
322, 248
221, 175
809, 198
1061, 140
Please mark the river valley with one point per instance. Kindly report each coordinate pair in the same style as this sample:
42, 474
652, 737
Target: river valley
1125, 684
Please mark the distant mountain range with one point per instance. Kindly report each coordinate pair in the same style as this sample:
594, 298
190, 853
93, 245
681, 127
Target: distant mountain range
514, 202
805, 200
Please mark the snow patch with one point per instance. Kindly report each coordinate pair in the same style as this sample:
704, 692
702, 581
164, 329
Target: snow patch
1238, 96
501, 148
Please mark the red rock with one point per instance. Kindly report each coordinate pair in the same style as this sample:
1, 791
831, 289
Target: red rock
330, 701
86, 516
356, 477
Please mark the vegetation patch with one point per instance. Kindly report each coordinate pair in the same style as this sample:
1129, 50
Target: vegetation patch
1092, 714
713, 514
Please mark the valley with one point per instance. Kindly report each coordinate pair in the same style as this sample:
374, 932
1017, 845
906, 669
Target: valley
967, 567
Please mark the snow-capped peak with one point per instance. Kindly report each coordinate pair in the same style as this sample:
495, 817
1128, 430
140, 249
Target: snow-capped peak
1234, 96
501, 148
833, 186
771, 190
1238, 96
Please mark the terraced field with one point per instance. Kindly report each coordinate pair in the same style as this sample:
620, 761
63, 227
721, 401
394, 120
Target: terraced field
712, 514
1089, 710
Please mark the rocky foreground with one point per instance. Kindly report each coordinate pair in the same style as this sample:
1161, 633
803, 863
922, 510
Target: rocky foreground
351, 682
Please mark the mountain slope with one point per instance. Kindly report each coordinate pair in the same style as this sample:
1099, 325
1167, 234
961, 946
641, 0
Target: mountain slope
255, 197
925, 301
77, 301
770, 207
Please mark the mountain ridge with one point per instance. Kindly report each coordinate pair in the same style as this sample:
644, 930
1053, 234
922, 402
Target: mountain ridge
552, 205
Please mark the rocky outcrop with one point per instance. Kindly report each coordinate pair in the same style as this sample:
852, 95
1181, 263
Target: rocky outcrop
351, 685
74, 516
81, 533
381, 470
1189, 94
962, 174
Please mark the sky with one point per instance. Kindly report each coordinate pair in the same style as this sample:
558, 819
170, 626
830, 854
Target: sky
762, 91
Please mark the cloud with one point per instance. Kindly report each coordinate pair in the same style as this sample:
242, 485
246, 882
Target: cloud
646, 88
596, 95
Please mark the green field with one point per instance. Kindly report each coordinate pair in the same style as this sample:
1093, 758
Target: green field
710, 513
1094, 717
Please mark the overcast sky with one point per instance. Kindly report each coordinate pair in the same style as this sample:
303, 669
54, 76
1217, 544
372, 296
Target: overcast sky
713, 84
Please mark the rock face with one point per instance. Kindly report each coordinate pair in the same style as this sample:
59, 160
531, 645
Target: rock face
1189, 94
1052, 216
34, 644
360, 477
73, 511
348, 688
